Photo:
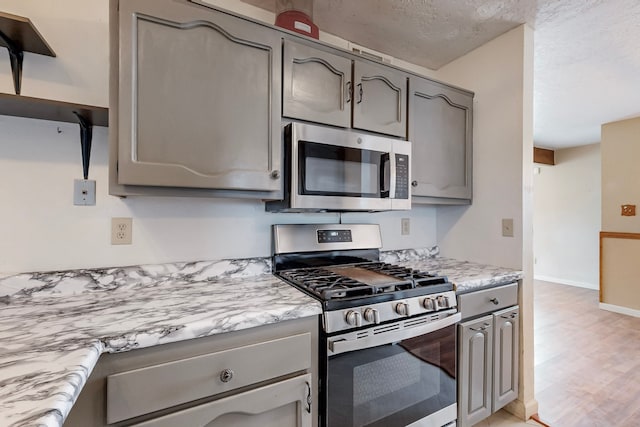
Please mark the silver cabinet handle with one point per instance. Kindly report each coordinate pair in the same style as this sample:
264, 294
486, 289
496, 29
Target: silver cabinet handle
226, 375
308, 399
348, 90
482, 328
359, 93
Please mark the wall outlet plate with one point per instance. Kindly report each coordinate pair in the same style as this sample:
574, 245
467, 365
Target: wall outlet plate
405, 226
121, 231
84, 192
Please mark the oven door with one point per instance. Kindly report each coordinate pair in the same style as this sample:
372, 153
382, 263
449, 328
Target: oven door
399, 374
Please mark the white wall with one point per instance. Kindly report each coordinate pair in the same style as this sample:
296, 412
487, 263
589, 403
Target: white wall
41, 229
500, 138
501, 75
567, 217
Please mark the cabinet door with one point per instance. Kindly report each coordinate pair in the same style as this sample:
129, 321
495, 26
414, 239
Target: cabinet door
316, 85
199, 98
380, 99
474, 373
505, 353
440, 129
283, 404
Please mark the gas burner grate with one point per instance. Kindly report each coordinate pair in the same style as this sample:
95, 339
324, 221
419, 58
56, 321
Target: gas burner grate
417, 277
327, 284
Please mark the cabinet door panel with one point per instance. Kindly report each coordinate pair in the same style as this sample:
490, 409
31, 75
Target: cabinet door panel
283, 404
316, 85
506, 357
198, 99
380, 99
474, 390
441, 133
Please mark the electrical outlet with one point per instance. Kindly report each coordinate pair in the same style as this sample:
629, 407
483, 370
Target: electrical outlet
84, 192
507, 227
405, 226
121, 230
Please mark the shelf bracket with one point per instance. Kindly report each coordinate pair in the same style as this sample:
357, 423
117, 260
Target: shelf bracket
86, 132
16, 56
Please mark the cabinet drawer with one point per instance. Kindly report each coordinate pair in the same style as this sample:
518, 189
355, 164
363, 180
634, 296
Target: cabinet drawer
142, 391
487, 300
282, 404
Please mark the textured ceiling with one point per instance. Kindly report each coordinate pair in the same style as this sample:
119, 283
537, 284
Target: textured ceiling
587, 52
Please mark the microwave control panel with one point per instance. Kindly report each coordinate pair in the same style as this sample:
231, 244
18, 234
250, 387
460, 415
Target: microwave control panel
402, 176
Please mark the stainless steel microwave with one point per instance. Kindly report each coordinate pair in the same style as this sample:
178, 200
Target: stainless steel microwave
329, 169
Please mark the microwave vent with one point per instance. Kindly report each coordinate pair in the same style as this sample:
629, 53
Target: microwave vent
370, 54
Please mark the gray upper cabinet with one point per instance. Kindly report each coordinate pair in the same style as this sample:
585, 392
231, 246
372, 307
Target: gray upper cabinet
380, 99
316, 85
198, 99
440, 129
323, 87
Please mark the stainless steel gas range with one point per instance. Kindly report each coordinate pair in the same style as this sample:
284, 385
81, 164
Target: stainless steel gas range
388, 339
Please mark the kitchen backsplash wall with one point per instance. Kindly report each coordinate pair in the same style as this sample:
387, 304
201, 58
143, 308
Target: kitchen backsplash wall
42, 229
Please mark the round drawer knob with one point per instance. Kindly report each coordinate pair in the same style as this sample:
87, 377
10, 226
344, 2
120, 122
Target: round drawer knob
495, 301
275, 175
226, 375
414, 183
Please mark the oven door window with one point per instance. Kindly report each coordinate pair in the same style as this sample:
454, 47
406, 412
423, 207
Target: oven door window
331, 170
393, 385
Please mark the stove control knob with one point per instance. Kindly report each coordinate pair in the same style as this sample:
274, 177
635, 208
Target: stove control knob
443, 301
402, 308
354, 318
429, 304
372, 315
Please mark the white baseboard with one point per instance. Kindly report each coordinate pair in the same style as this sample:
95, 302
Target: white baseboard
566, 282
619, 309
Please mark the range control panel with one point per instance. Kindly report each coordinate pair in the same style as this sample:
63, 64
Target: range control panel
332, 236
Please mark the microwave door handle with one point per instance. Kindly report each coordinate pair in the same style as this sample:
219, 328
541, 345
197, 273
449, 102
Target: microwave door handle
392, 175
384, 179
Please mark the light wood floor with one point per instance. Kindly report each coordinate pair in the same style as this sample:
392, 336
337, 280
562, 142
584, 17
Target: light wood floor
587, 360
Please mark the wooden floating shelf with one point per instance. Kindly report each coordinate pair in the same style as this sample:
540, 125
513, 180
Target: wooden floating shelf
45, 109
23, 33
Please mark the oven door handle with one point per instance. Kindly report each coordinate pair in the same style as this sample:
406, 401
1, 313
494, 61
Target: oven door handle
338, 345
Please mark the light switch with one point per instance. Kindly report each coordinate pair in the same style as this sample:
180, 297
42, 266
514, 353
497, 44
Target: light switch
507, 227
84, 192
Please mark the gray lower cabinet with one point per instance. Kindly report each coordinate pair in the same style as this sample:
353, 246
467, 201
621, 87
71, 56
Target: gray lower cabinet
476, 358
441, 131
506, 351
488, 365
331, 88
264, 376
282, 404
197, 98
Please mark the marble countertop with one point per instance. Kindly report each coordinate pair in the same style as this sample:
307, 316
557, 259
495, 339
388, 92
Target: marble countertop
54, 326
465, 275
